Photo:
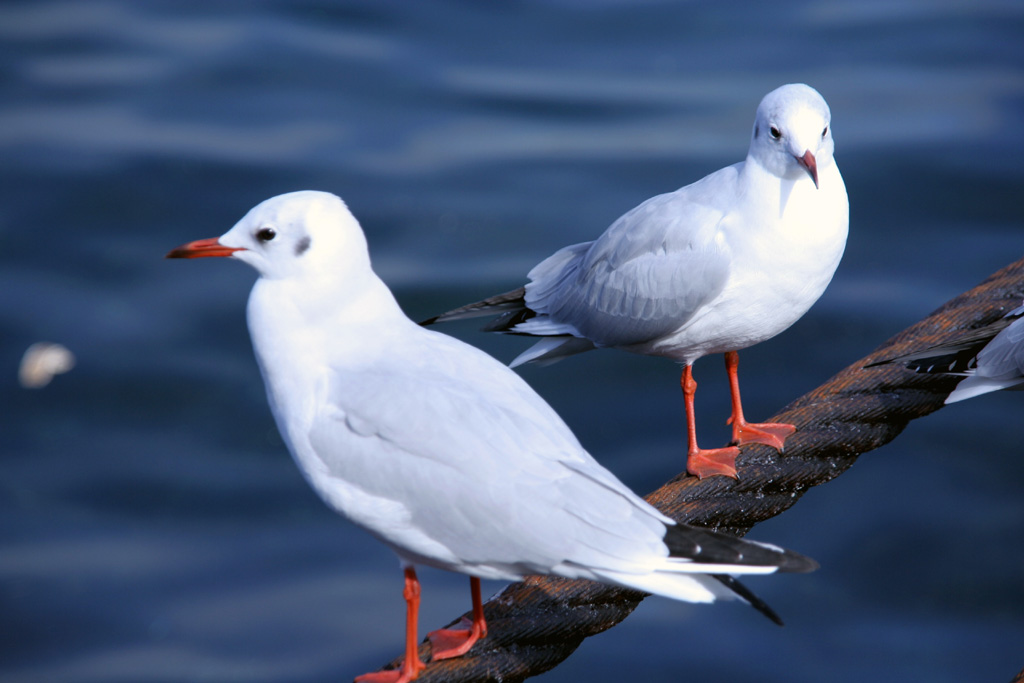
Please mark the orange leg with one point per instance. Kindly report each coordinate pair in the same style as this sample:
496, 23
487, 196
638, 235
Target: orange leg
455, 642
703, 462
768, 433
412, 665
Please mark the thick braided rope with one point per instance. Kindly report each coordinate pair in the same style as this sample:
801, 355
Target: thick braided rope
535, 624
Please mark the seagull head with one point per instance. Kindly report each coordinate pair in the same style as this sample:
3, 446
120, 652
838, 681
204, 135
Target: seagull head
308, 235
792, 135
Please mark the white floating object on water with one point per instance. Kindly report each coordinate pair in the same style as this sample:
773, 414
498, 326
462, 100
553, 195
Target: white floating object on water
41, 362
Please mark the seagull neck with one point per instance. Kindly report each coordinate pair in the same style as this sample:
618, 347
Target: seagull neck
327, 303
772, 194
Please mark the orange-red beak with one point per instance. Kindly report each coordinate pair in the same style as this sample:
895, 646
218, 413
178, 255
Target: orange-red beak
808, 161
203, 248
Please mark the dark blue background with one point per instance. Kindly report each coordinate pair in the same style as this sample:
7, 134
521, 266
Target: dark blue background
152, 527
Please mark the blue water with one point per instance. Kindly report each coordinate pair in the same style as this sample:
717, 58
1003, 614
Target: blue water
152, 528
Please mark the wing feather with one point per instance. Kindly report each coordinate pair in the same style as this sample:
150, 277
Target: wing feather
644, 278
505, 458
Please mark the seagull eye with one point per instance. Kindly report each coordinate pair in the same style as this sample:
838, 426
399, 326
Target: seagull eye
265, 234
776, 133
824, 132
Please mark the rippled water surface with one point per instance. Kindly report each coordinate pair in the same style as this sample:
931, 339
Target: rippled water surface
152, 527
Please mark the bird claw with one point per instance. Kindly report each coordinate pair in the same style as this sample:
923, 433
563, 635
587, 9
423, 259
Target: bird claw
401, 675
447, 643
710, 461
772, 434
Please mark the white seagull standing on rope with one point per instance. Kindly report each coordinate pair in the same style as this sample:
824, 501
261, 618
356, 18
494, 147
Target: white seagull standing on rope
437, 449
717, 266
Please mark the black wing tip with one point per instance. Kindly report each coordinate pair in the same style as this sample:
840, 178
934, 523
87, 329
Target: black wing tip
795, 563
714, 547
513, 299
749, 597
508, 320
953, 357
949, 362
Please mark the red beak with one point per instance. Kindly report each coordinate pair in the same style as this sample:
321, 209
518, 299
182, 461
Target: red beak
808, 162
203, 248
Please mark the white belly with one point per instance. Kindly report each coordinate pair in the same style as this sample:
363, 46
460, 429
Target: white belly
776, 276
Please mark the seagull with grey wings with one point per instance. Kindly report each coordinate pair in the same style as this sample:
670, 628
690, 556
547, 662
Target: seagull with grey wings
714, 267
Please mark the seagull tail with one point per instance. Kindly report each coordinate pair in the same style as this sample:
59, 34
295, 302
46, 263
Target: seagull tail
687, 587
512, 301
515, 317
551, 350
704, 546
702, 566
748, 596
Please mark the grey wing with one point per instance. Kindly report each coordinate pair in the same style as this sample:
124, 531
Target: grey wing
1000, 365
1003, 357
643, 279
478, 475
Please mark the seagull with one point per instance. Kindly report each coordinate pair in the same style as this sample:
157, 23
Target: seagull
990, 358
436, 448
714, 267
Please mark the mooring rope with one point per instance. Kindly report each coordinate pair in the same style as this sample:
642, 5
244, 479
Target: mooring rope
537, 623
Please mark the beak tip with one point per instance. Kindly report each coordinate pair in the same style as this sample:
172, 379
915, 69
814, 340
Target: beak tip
202, 248
810, 164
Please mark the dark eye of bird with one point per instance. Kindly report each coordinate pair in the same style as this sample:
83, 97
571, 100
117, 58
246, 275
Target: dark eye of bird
265, 234
824, 132
776, 133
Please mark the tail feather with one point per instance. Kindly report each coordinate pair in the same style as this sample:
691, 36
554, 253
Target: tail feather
551, 350
748, 596
956, 357
515, 317
509, 301
509, 319
689, 587
712, 547
953, 359
719, 556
